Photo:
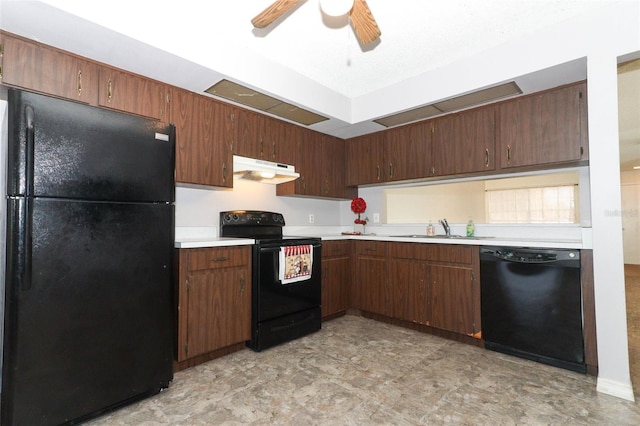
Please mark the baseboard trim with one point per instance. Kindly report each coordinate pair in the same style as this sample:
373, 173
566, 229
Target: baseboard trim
617, 389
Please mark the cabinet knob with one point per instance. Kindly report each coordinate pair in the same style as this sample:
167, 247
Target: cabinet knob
220, 259
486, 157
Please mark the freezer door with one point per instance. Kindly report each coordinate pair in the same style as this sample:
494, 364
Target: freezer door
89, 316
63, 149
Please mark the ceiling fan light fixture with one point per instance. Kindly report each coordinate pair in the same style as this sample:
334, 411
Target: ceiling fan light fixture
336, 7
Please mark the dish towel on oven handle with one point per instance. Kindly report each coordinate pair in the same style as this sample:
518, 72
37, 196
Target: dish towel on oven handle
296, 263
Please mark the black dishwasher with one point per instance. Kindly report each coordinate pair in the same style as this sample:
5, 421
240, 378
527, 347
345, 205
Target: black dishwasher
532, 304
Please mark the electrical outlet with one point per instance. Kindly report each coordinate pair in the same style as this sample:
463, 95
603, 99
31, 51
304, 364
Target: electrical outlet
312, 218
376, 218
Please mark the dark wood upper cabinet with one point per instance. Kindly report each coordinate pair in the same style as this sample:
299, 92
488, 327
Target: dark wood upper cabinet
203, 148
307, 161
544, 128
538, 131
249, 134
331, 174
318, 160
365, 159
464, 142
407, 152
134, 94
32, 66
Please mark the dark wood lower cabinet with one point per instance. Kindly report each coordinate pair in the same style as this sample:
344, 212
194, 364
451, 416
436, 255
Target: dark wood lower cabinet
370, 289
451, 296
336, 274
427, 284
410, 289
214, 301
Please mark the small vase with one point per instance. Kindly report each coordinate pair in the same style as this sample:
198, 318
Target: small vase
358, 228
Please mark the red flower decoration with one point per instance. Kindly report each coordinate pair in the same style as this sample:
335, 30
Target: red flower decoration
358, 205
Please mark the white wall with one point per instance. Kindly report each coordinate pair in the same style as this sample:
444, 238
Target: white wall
201, 207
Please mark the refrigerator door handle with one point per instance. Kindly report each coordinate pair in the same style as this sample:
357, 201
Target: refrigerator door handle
20, 245
27, 244
30, 147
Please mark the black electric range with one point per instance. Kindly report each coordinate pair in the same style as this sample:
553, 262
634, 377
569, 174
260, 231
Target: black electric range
286, 277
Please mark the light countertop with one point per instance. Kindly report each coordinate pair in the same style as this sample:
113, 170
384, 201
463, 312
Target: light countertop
202, 238
481, 241
212, 242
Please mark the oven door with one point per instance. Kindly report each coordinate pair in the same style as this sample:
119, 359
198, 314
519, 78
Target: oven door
272, 298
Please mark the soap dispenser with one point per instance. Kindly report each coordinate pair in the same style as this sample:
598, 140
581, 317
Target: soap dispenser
430, 230
470, 228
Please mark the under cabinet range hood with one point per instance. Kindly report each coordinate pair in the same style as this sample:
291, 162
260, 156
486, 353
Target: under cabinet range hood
263, 171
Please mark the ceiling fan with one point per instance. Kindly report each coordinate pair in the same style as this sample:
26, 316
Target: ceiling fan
360, 17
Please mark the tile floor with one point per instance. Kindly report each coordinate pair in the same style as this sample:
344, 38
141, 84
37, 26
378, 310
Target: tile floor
357, 371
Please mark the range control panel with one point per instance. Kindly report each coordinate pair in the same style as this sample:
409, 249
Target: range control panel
250, 217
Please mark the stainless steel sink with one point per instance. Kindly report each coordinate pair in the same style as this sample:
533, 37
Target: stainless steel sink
461, 237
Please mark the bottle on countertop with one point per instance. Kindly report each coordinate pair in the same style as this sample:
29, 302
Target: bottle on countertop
470, 228
430, 230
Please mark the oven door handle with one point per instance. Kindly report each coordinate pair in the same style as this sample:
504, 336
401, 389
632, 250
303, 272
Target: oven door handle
277, 248
269, 249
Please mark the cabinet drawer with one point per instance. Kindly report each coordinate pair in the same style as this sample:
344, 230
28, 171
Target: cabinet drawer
448, 253
212, 258
371, 248
336, 249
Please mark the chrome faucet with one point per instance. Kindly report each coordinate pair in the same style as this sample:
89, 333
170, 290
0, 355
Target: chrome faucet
445, 225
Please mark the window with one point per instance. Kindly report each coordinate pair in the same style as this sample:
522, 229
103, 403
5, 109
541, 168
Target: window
549, 204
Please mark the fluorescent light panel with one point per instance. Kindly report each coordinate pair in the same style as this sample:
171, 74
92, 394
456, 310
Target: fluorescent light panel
454, 104
254, 99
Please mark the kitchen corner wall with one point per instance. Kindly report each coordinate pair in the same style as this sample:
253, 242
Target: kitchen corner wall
201, 207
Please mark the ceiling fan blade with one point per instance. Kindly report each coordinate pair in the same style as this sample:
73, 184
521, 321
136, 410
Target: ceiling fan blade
273, 12
363, 23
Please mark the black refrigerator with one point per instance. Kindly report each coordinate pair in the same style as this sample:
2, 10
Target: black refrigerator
88, 308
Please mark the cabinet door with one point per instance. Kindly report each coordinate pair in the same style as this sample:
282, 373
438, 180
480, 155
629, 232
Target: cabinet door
407, 152
335, 277
464, 142
544, 128
218, 305
134, 94
224, 136
318, 158
451, 296
286, 138
48, 70
409, 287
365, 159
250, 134
370, 290
203, 156
308, 159
273, 140
332, 176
